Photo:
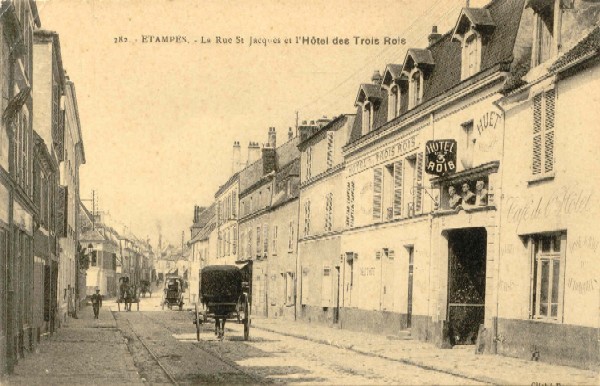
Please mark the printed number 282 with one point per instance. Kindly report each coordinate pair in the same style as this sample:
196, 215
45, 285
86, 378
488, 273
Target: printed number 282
120, 39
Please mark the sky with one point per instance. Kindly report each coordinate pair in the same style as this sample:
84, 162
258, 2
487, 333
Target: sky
159, 118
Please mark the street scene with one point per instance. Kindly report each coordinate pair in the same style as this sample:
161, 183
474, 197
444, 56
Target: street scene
333, 192
152, 346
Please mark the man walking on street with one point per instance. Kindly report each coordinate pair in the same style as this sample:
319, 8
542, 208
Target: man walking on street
96, 303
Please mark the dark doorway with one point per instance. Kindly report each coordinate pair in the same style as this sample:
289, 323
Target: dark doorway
411, 256
466, 283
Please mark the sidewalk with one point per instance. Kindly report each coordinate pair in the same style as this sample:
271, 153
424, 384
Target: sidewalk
84, 351
495, 369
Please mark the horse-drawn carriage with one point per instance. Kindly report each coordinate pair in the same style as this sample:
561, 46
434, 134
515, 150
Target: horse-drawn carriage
223, 296
173, 293
128, 294
145, 288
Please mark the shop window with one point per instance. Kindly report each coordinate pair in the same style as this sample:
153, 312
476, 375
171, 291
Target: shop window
548, 261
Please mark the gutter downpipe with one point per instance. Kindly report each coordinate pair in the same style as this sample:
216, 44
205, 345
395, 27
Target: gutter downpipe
498, 202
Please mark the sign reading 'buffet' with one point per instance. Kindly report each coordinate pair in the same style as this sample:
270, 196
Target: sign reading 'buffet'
396, 149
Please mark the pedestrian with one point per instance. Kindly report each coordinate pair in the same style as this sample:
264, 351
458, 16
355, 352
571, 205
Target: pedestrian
96, 303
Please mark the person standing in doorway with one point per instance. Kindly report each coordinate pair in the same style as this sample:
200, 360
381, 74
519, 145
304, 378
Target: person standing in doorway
96, 303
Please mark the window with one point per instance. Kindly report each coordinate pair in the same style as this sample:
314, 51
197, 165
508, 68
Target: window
471, 55
393, 102
94, 260
249, 251
415, 89
543, 133
289, 288
548, 260
367, 118
306, 217
234, 204
329, 149
469, 145
326, 287
397, 204
328, 212
309, 162
350, 204
544, 45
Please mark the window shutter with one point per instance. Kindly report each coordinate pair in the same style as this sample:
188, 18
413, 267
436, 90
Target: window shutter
249, 251
549, 99
234, 242
348, 204
377, 185
398, 188
536, 167
266, 239
274, 247
234, 204
258, 244
352, 204
326, 287
419, 184
329, 149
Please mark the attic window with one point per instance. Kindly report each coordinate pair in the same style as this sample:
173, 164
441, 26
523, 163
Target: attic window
393, 102
367, 117
544, 39
415, 91
472, 27
471, 55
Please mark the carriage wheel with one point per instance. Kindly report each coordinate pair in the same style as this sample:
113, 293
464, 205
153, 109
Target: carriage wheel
246, 318
138, 305
163, 305
197, 323
180, 306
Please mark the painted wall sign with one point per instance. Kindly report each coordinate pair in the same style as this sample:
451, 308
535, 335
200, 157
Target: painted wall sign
396, 149
441, 157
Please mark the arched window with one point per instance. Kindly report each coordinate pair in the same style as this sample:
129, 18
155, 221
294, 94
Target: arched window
367, 118
393, 102
416, 88
471, 55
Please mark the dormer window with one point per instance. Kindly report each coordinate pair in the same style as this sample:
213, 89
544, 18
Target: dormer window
415, 91
471, 55
393, 79
473, 26
544, 39
418, 64
367, 117
368, 101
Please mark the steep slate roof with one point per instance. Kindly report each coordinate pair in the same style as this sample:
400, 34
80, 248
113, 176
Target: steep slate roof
290, 171
588, 45
445, 75
480, 17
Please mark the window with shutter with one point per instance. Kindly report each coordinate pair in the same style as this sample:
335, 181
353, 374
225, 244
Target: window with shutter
249, 251
419, 184
377, 188
326, 287
291, 236
329, 149
234, 204
306, 217
398, 188
328, 211
543, 133
274, 248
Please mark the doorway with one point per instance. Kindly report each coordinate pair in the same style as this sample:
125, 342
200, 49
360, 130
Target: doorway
466, 284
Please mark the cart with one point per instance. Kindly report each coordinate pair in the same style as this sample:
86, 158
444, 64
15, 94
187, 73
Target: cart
223, 296
128, 294
173, 293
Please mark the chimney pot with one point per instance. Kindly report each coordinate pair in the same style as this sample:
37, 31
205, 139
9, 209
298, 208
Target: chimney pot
376, 78
434, 36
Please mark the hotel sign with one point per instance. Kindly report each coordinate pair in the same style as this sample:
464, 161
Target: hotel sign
384, 154
440, 157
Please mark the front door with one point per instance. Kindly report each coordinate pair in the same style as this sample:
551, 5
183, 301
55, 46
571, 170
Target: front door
466, 283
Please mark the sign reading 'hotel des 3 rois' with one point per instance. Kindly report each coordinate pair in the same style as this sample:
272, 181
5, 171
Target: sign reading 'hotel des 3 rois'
440, 157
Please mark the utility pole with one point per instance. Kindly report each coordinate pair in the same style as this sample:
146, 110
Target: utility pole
296, 123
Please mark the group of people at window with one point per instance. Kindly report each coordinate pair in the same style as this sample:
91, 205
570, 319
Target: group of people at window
467, 197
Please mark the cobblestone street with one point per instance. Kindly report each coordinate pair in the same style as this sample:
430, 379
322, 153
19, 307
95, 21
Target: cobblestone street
152, 346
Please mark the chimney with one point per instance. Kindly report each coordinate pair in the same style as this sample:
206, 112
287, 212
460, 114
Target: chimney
253, 152
376, 78
290, 134
272, 137
236, 158
434, 36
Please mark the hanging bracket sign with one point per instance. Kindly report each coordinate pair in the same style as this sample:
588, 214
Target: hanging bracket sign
441, 157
